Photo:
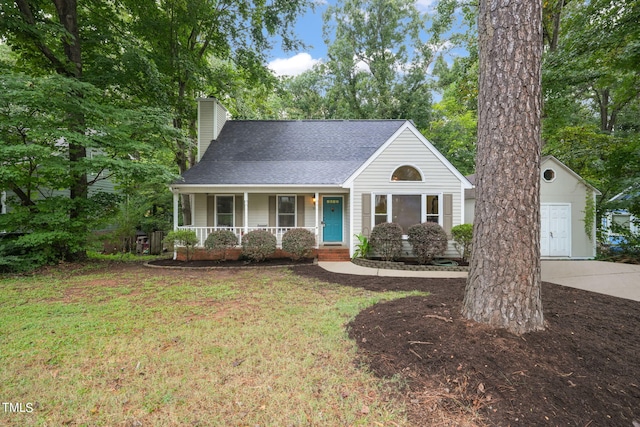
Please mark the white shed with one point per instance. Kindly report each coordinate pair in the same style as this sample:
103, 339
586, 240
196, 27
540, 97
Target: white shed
567, 210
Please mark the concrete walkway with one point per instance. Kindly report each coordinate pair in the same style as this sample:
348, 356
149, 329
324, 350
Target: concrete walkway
615, 279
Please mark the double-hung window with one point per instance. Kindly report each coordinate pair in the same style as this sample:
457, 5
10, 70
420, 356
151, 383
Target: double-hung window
432, 209
380, 209
224, 211
286, 211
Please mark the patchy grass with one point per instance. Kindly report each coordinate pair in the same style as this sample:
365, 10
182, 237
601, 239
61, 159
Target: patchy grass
125, 345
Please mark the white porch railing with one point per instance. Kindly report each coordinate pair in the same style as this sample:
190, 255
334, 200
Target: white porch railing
203, 232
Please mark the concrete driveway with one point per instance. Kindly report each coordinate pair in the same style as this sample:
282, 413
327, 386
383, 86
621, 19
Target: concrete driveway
610, 278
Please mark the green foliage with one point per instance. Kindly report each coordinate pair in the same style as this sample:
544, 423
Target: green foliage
589, 214
257, 245
299, 242
591, 89
221, 241
462, 238
628, 245
363, 247
386, 240
186, 238
378, 61
428, 241
39, 171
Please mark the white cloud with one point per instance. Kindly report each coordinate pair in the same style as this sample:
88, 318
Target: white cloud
426, 5
293, 66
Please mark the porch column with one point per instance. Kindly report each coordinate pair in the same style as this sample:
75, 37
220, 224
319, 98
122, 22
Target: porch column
175, 210
175, 219
317, 198
245, 213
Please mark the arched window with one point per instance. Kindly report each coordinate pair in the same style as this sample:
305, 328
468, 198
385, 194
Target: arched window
406, 173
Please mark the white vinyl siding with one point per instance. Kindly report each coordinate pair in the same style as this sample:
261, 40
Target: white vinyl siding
204, 209
567, 189
438, 178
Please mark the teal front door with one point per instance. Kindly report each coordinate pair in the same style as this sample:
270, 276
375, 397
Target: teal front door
332, 219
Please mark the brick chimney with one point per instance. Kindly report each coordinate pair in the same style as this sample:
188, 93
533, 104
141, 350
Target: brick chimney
211, 117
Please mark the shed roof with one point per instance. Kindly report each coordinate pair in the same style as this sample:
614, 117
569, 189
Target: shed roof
314, 152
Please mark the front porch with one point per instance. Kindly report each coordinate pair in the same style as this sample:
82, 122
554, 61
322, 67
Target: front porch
276, 210
203, 232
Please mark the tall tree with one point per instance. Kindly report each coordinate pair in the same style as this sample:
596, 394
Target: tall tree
503, 287
38, 171
49, 33
181, 37
377, 60
592, 94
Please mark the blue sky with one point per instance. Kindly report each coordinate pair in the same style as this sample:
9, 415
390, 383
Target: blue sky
309, 30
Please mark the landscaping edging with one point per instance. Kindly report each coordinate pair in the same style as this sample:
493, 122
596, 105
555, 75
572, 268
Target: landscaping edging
253, 266
393, 265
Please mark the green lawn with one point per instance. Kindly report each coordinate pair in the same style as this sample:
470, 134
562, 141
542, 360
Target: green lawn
124, 345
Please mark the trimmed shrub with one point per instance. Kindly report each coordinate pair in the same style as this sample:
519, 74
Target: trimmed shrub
428, 240
462, 236
298, 242
257, 245
186, 238
386, 240
221, 241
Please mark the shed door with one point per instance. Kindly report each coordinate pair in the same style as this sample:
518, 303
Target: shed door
555, 231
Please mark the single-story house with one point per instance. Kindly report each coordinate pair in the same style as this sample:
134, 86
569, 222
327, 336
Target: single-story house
336, 178
567, 212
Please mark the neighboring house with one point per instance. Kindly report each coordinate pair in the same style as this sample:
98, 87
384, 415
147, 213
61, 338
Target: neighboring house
567, 212
620, 217
336, 178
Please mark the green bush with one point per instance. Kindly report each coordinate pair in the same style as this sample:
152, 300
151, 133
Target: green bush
221, 241
21, 252
186, 238
257, 245
363, 247
462, 236
386, 240
298, 242
428, 241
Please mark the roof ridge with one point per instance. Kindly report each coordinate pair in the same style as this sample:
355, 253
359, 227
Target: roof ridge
313, 120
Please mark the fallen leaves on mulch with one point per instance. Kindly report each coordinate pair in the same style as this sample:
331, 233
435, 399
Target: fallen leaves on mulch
583, 370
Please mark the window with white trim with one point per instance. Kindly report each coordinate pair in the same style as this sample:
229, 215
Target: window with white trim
287, 211
432, 209
621, 220
380, 209
224, 211
406, 209
406, 173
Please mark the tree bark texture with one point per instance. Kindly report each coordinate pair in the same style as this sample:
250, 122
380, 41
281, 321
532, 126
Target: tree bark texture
503, 287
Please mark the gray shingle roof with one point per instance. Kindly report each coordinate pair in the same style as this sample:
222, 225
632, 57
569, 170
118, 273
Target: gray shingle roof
310, 152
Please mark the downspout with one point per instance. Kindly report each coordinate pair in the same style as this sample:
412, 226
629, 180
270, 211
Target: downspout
351, 224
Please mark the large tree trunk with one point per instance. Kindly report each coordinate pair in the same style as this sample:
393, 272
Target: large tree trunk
503, 288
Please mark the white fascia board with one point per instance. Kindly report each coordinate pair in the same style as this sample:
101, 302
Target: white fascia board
408, 125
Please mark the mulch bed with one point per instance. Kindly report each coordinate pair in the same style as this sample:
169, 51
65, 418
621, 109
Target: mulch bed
272, 262
583, 370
